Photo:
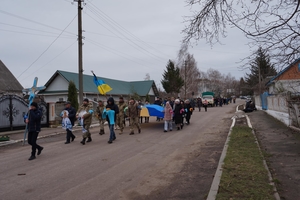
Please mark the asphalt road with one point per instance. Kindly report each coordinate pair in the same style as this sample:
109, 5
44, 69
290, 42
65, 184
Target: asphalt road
150, 165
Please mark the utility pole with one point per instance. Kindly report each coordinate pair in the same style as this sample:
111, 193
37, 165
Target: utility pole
80, 68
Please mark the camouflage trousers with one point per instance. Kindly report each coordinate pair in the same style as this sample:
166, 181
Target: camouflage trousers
134, 121
101, 123
87, 133
120, 121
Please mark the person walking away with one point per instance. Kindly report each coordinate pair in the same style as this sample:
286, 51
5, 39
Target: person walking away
177, 114
99, 111
71, 115
110, 113
133, 114
141, 105
220, 101
121, 115
158, 102
84, 114
168, 113
199, 103
33, 122
205, 103
188, 111
146, 118
182, 113
216, 102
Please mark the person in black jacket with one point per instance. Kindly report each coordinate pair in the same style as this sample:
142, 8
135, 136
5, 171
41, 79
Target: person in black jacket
178, 112
72, 117
34, 127
188, 111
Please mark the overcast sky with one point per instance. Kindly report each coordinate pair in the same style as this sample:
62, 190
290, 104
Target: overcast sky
124, 40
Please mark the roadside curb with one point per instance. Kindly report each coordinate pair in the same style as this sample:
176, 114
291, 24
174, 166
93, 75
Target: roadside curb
217, 177
40, 137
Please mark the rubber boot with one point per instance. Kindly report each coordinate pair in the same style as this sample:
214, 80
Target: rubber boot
89, 139
83, 141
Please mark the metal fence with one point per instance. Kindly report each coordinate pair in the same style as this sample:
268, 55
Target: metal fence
12, 111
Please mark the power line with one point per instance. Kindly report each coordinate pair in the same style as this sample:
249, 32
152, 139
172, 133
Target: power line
47, 47
115, 52
22, 27
53, 58
19, 32
124, 29
135, 45
32, 21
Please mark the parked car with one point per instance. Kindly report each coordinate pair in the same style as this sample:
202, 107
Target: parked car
210, 99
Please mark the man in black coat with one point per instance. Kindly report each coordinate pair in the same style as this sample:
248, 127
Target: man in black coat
72, 117
34, 127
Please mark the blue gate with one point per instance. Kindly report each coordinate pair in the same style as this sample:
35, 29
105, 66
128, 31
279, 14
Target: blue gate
264, 100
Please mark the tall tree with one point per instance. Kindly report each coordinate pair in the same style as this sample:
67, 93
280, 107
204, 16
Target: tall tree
260, 69
215, 82
72, 94
191, 76
271, 24
172, 82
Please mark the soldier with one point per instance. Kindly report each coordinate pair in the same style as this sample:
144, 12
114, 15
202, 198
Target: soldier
99, 112
84, 114
121, 115
133, 114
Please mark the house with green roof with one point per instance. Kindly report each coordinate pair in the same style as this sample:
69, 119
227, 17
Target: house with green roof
57, 88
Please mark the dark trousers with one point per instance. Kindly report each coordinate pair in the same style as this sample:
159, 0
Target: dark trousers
69, 135
32, 137
112, 135
205, 107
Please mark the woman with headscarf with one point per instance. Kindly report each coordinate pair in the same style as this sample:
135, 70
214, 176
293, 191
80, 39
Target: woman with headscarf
178, 109
168, 113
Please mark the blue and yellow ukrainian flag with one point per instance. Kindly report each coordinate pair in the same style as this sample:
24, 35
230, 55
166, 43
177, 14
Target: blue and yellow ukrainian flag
102, 87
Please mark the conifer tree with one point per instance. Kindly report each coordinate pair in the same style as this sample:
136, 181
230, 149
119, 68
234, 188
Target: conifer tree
72, 95
172, 81
260, 65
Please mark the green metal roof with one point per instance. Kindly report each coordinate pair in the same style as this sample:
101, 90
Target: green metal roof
142, 88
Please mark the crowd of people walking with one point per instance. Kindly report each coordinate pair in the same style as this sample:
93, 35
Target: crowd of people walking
175, 111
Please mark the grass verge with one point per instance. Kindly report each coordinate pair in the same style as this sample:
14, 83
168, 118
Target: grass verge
244, 175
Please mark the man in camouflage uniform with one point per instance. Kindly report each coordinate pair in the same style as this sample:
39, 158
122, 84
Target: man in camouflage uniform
87, 119
99, 112
121, 115
134, 115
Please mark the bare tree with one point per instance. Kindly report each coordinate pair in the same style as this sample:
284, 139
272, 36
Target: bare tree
191, 76
215, 81
273, 25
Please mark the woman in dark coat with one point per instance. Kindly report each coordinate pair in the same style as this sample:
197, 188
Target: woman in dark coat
178, 109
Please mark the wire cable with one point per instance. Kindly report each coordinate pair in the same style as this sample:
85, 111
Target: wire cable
47, 47
29, 20
52, 59
134, 44
124, 29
